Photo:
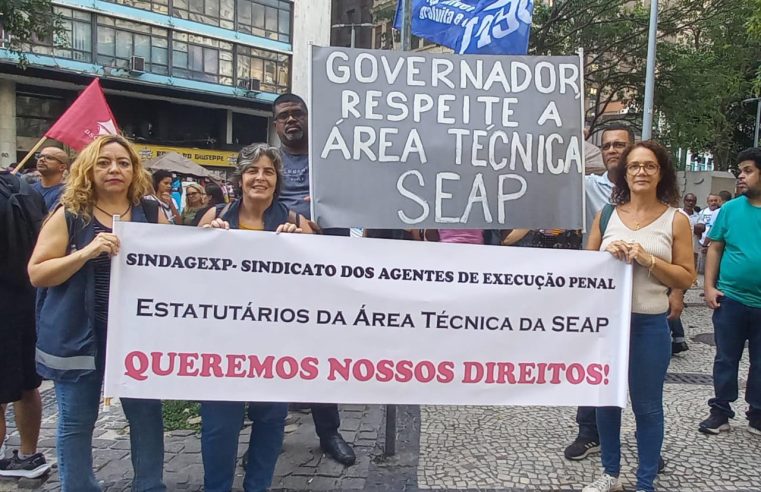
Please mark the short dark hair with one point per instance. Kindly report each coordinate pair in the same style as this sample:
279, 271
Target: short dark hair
288, 97
619, 127
158, 176
215, 194
750, 154
725, 195
668, 189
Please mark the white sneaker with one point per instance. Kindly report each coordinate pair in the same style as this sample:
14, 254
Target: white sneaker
605, 483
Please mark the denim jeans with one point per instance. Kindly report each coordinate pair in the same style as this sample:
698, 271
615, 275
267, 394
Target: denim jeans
735, 323
649, 357
677, 330
77, 412
587, 419
326, 419
221, 422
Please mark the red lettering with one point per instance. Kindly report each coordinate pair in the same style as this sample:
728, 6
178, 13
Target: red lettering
209, 363
364, 370
136, 364
555, 368
287, 367
260, 369
490, 366
425, 366
594, 374
336, 367
385, 372
469, 369
525, 373
187, 364
309, 369
446, 372
541, 370
506, 372
575, 373
235, 366
156, 363
404, 371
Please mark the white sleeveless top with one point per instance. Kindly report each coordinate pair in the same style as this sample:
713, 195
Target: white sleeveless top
649, 296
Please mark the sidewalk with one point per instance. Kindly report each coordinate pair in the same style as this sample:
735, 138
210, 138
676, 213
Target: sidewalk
464, 448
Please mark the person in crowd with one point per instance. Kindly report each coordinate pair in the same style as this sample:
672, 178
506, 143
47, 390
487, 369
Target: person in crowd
259, 176
724, 196
71, 263
195, 197
733, 290
678, 342
289, 114
214, 196
52, 163
19, 381
643, 228
162, 186
615, 139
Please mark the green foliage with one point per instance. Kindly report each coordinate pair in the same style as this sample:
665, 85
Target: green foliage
706, 64
176, 415
25, 20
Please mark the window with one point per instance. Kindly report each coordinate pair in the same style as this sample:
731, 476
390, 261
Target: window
266, 18
36, 114
75, 43
119, 40
270, 69
200, 58
160, 6
212, 12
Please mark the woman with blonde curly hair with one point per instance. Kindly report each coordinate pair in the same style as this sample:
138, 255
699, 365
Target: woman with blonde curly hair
72, 265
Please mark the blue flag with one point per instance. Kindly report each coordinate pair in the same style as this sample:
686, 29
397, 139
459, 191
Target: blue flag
492, 27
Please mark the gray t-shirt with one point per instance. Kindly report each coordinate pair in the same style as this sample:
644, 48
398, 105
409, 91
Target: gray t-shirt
295, 182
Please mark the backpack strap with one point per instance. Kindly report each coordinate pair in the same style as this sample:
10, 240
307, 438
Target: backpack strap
222, 208
151, 209
605, 214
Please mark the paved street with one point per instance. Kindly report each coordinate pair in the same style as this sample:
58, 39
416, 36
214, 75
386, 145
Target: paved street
464, 448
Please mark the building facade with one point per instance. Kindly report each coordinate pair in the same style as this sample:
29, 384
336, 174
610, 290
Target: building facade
180, 74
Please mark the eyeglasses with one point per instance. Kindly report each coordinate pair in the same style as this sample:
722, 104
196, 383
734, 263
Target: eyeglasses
615, 145
296, 114
47, 157
649, 168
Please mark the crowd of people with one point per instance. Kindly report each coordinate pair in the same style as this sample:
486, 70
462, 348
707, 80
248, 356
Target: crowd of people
633, 209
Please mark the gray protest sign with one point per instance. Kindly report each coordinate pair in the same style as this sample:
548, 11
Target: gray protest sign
417, 140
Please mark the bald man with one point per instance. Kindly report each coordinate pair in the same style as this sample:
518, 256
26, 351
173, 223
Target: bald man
52, 162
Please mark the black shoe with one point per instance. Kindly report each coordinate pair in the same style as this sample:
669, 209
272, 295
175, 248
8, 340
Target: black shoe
714, 424
661, 464
338, 449
581, 448
31, 467
677, 347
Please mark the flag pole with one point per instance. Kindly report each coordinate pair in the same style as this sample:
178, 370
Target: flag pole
29, 154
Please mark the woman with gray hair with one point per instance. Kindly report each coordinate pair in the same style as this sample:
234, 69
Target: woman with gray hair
259, 177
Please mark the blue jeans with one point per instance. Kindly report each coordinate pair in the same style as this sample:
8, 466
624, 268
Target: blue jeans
649, 357
733, 324
77, 412
221, 422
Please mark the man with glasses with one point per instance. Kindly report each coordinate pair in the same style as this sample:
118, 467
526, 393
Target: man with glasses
52, 163
290, 119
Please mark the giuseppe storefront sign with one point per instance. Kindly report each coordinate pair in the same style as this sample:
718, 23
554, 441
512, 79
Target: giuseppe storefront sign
236, 315
202, 157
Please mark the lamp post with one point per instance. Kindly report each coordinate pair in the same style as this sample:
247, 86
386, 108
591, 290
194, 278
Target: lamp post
758, 117
353, 27
647, 118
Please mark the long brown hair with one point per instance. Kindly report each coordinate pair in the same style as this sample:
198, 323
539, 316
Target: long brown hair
667, 191
79, 195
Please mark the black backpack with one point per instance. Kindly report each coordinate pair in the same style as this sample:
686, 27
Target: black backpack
22, 211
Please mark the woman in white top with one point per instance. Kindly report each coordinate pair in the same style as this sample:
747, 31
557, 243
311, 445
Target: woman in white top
644, 230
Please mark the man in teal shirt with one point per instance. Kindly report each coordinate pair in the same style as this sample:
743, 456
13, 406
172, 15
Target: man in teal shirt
733, 291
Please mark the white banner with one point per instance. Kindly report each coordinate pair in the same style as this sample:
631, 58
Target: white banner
200, 314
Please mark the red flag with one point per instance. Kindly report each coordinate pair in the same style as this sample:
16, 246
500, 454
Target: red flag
88, 117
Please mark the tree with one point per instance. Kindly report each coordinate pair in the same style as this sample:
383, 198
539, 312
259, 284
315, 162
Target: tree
26, 20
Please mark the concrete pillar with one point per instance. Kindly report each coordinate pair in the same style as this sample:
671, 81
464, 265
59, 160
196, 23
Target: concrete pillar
7, 123
229, 127
311, 24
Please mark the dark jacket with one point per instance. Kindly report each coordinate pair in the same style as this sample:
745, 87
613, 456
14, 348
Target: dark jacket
274, 216
67, 344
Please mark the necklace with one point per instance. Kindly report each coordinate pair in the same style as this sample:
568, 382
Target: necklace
129, 207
